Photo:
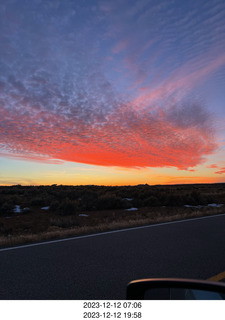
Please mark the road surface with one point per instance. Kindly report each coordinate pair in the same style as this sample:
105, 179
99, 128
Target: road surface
100, 266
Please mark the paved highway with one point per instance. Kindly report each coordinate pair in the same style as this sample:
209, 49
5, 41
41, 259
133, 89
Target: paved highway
100, 266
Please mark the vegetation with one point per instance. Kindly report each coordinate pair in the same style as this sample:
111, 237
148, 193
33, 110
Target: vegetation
34, 213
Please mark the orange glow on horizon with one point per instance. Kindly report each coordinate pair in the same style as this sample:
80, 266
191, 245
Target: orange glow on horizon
68, 173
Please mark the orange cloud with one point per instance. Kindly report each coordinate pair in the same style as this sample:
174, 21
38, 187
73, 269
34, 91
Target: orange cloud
126, 139
212, 166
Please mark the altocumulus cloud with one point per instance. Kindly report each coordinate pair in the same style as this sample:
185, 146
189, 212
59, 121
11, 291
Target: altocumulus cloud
123, 137
74, 88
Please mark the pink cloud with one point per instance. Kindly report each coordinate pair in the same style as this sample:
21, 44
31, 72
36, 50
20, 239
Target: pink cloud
31, 157
121, 46
221, 171
180, 82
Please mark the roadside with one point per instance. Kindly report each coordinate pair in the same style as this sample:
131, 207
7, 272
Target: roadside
43, 226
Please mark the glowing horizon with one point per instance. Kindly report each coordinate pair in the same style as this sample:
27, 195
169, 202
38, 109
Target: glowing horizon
112, 93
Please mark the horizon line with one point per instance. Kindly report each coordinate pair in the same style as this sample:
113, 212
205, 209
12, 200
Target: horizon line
102, 185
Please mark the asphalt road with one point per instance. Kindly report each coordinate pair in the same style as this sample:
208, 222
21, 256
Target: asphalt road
99, 267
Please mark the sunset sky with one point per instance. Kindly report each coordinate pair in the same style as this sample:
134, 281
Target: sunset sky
118, 92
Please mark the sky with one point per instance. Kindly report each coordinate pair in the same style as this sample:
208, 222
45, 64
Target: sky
105, 92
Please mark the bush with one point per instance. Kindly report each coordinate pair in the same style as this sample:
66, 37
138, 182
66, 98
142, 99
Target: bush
109, 201
6, 208
152, 201
4, 229
54, 206
68, 207
37, 201
174, 200
197, 198
138, 203
89, 200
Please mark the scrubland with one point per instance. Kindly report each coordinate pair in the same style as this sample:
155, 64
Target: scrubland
37, 213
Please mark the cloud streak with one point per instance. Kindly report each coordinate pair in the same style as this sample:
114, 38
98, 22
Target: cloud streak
221, 171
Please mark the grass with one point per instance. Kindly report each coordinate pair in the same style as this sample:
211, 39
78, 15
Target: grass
51, 227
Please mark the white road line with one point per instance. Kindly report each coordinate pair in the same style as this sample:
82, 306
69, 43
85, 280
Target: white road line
107, 232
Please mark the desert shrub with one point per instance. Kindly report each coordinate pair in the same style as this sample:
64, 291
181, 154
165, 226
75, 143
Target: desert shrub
42, 199
89, 201
197, 198
138, 203
145, 193
15, 199
54, 205
6, 208
4, 229
37, 201
174, 200
211, 199
152, 201
126, 204
68, 207
162, 198
109, 201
